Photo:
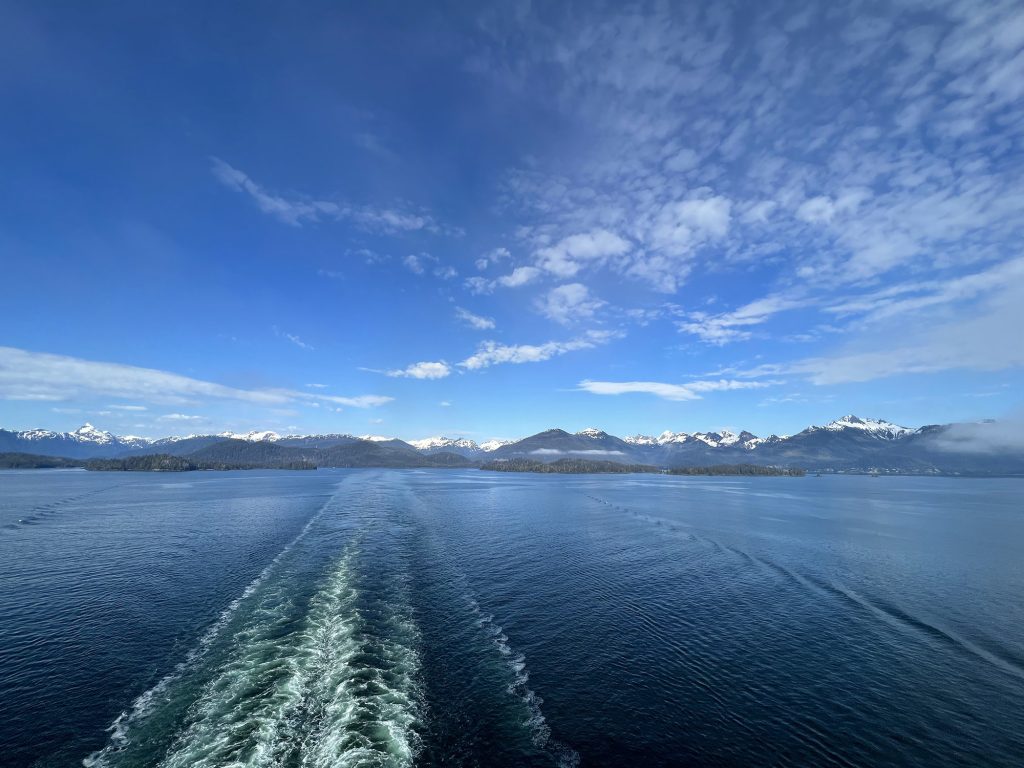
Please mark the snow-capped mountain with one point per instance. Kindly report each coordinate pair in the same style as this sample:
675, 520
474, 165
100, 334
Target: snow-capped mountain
440, 444
712, 439
875, 427
848, 443
489, 446
254, 436
85, 442
555, 443
665, 438
440, 441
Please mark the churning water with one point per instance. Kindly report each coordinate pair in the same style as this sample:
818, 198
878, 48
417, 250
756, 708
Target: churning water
462, 618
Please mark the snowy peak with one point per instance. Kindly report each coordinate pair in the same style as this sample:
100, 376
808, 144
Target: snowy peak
85, 442
664, 438
592, 432
492, 445
253, 436
713, 439
640, 440
728, 438
262, 437
41, 434
751, 441
444, 442
87, 433
875, 427
722, 439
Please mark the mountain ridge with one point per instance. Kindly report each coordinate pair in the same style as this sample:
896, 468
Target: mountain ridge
850, 443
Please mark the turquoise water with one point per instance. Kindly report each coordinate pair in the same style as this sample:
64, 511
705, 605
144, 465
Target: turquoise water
440, 617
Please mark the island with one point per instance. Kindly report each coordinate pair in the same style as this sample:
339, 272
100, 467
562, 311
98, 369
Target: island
739, 469
567, 467
160, 462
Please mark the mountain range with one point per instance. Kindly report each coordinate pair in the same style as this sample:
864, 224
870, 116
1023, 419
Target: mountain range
848, 444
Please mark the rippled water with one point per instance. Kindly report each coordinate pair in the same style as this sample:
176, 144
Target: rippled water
392, 618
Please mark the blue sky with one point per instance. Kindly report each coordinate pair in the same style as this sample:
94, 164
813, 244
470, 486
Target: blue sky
489, 220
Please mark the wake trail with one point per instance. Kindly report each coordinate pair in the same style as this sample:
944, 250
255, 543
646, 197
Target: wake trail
987, 649
121, 728
41, 512
316, 680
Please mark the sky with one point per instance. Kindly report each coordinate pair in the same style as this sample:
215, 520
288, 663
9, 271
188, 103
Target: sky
486, 220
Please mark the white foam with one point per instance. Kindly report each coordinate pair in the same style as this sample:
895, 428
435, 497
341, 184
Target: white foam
142, 706
340, 689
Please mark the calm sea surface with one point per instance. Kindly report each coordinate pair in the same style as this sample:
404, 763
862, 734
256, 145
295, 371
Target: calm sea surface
462, 618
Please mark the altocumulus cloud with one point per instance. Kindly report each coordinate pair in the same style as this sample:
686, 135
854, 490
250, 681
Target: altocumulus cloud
26, 375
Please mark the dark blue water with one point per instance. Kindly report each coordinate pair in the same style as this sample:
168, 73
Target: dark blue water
461, 618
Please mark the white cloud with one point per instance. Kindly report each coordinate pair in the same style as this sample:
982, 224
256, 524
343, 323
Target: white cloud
732, 326
682, 161
816, 210
424, 370
681, 227
978, 339
414, 263
759, 212
823, 209
479, 285
180, 417
38, 376
492, 257
1001, 436
896, 299
293, 339
569, 304
572, 253
292, 212
296, 210
446, 272
479, 322
666, 391
920, 172
359, 401
127, 407
417, 263
493, 353
519, 276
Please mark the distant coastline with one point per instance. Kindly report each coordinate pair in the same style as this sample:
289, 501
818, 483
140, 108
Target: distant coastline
590, 467
568, 467
355, 458
848, 445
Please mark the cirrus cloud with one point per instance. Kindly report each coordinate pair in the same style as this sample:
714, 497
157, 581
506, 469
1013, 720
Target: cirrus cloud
493, 353
689, 391
26, 375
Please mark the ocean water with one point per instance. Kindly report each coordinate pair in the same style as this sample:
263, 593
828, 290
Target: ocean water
464, 618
